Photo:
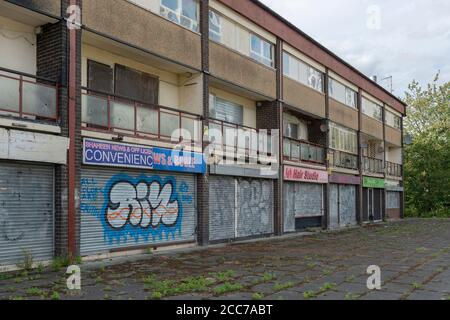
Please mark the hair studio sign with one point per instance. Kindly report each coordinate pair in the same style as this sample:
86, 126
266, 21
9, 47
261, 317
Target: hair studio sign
305, 175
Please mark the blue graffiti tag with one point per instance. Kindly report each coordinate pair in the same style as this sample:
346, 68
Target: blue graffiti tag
89, 189
147, 208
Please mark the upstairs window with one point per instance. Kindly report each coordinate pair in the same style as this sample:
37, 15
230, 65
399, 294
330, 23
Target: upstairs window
372, 109
224, 110
261, 50
343, 139
302, 72
393, 120
215, 26
183, 12
342, 93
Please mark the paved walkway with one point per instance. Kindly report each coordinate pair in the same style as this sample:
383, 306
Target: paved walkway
414, 257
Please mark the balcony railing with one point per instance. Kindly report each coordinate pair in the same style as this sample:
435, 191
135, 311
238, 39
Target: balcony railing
372, 165
27, 96
344, 160
240, 139
303, 151
394, 169
116, 114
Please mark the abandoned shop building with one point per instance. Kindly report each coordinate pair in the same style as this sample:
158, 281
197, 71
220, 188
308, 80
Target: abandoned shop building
131, 124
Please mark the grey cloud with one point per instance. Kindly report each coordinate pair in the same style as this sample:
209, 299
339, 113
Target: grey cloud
412, 43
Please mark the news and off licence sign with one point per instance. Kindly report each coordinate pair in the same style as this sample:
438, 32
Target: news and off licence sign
114, 154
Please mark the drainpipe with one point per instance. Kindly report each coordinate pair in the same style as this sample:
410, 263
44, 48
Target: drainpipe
72, 132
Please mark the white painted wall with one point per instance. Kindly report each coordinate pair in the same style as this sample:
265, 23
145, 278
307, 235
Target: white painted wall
17, 46
32, 146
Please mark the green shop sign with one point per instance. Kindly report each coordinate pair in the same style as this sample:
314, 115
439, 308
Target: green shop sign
369, 182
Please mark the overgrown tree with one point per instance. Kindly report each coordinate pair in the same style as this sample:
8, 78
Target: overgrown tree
427, 159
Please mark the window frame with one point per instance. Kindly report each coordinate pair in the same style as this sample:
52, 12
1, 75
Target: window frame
299, 78
347, 89
219, 26
372, 114
341, 137
179, 14
259, 57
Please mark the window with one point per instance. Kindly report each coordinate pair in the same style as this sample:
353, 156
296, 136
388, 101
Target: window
342, 93
183, 12
343, 139
215, 26
372, 109
393, 120
302, 72
227, 111
136, 85
291, 130
100, 77
261, 50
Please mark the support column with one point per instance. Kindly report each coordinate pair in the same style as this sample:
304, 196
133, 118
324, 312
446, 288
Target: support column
326, 194
202, 180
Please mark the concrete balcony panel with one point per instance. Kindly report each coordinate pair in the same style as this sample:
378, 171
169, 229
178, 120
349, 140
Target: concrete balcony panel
303, 98
235, 68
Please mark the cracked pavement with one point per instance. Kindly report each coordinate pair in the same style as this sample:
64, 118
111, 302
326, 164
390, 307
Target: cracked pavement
414, 257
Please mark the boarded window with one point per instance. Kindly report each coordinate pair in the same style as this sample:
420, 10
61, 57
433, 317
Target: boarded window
136, 85
224, 110
100, 77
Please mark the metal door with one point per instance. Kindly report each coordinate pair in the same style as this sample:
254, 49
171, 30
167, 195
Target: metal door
26, 212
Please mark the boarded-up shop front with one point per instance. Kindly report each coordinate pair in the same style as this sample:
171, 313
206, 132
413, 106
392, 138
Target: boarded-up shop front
373, 199
303, 198
239, 207
394, 194
124, 207
27, 195
343, 193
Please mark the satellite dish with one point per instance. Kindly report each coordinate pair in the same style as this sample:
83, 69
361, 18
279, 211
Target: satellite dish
408, 139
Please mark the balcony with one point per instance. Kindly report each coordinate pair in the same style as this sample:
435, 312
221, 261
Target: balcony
344, 160
240, 140
114, 114
373, 165
27, 96
394, 169
303, 151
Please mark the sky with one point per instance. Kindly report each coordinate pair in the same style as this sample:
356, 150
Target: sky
406, 39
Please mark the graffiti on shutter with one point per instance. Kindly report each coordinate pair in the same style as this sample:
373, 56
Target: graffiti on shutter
239, 207
121, 209
255, 211
221, 208
347, 205
334, 206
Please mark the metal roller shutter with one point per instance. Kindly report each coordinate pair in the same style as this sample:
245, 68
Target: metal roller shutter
239, 207
255, 207
126, 208
301, 200
347, 205
334, 206
222, 202
26, 212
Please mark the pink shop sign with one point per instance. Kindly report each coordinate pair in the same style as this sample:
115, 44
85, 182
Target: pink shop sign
305, 175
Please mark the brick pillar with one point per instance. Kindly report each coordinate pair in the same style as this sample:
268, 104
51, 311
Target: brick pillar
326, 193
268, 116
202, 180
52, 62
359, 193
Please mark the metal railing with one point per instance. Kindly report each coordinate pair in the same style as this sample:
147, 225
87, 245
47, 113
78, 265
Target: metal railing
303, 151
373, 165
116, 114
394, 169
240, 139
344, 160
27, 96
